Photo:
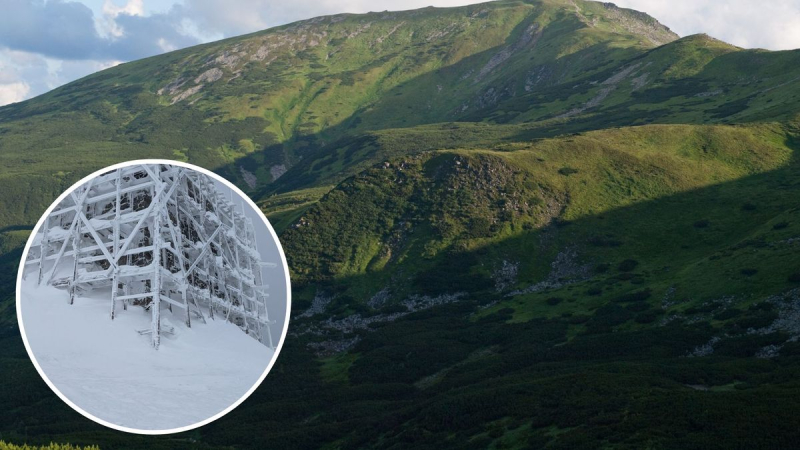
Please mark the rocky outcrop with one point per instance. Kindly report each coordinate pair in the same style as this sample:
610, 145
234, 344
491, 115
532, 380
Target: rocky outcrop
529, 37
341, 334
607, 87
277, 171
565, 270
318, 305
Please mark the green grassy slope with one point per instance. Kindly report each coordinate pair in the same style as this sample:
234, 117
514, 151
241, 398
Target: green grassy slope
254, 106
655, 243
696, 80
634, 251
429, 216
262, 101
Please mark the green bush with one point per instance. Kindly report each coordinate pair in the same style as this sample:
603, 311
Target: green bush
567, 171
728, 314
636, 296
647, 316
52, 446
627, 265
602, 268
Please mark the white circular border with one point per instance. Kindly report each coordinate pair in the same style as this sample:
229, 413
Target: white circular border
285, 322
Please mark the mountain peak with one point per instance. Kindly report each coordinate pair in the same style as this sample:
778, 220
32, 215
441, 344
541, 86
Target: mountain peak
626, 20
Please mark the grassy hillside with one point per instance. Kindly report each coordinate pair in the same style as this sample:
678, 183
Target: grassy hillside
550, 292
255, 106
542, 293
543, 224
673, 210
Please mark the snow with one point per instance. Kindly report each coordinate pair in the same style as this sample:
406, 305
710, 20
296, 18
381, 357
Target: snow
54, 233
110, 371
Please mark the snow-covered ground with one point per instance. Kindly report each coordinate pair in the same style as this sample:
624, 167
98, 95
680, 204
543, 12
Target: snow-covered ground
110, 371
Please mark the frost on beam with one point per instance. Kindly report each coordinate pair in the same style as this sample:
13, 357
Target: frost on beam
159, 236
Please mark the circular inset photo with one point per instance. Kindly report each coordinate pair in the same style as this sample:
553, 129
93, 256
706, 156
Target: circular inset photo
153, 297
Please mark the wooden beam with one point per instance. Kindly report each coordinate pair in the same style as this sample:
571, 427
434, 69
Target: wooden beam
78, 206
206, 246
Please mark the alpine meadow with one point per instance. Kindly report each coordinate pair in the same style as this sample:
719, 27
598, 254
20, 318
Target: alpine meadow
518, 224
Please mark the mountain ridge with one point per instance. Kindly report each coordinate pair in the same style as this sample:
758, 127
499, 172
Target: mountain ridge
127, 97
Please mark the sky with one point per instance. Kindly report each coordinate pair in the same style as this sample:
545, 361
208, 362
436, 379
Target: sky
47, 43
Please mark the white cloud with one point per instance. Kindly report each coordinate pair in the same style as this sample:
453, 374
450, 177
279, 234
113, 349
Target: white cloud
13, 92
773, 25
31, 74
108, 25
69, 30
243, 16
131, 8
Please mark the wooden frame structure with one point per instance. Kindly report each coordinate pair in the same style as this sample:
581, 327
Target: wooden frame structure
159, 236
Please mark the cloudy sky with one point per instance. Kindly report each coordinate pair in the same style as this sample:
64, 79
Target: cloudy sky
46, 43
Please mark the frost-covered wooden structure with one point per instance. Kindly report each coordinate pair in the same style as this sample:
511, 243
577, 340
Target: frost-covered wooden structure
160, 236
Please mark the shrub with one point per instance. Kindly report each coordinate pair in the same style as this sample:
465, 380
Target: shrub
702, 223
627, 265
638, 307
554, 301
749, 207
780, 225
577, 320
594, 290
636, 296
794, 278
567, 171
762, 306
646, 316
760, 320
749, 272
604, 241
728, 314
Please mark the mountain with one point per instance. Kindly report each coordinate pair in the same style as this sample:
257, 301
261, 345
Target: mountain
515, 224
255, 105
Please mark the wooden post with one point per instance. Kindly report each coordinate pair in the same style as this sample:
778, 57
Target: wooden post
179, 245
43, 246
238, 267
269, 332
155, 307
114, 278
126, 290
76, 232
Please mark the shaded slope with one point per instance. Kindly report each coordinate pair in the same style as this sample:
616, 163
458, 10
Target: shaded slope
411, 215
587, 368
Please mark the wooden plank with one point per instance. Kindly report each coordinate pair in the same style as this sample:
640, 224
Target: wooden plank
74, 224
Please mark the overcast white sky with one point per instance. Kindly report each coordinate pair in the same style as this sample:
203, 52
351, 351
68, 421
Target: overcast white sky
46, 43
